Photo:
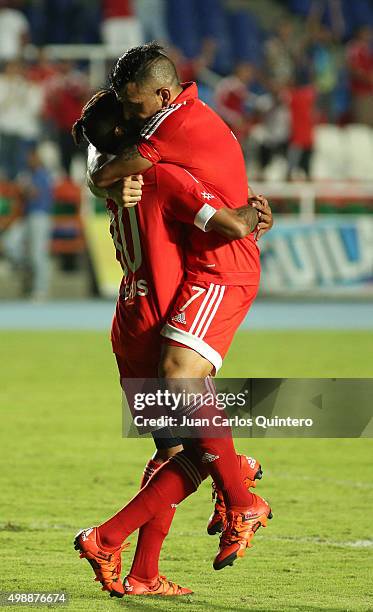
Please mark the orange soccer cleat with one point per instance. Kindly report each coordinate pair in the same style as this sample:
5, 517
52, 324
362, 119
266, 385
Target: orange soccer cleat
159, 586
106, 565
251, 471
240, 530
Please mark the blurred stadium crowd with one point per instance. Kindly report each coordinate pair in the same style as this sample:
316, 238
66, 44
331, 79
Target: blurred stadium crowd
271, 80
275, 70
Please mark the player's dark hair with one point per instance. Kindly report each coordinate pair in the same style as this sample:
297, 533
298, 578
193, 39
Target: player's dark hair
97, 123
140, 64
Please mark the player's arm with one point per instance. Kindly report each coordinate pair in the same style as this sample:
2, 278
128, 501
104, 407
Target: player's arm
234, 223
260, 203
125, 192
149, 150
104, 170
186, 199
264, 213
239, 222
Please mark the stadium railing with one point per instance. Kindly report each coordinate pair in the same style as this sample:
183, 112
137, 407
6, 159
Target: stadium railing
308, 199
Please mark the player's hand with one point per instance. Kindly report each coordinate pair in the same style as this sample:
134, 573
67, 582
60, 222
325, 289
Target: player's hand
260, 203
132, 190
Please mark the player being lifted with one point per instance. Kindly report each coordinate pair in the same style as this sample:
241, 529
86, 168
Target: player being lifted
217, 291
137, 334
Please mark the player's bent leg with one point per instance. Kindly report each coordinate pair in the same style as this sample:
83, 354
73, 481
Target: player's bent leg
142, 580
173, 482
106, 561
219, 454
239, 513
152, 535
183, 362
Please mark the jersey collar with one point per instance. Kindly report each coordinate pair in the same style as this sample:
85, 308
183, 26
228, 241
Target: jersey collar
190, 92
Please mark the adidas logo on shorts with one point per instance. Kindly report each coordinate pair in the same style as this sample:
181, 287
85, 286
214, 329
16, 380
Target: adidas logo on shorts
180, 318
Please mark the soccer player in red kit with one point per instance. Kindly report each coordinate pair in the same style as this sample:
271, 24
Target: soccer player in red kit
235, 264
188, 133
186, 194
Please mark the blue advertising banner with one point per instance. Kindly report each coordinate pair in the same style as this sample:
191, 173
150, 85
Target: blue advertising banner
332, 255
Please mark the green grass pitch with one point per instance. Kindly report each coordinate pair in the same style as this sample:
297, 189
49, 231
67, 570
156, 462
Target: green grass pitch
65, 466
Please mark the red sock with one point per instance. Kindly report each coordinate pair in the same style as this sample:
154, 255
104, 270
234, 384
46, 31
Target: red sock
219, 455
149, 545
150, 469
225, 471
174, 481
151, 536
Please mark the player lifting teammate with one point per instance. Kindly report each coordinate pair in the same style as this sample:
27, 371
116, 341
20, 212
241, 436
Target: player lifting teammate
248, 272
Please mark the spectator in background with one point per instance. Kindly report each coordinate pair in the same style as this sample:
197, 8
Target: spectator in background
322, 55
198, 69
333, 10
26, 243
41, 70
65, 96
45, 74
281, 53
301, 101
360, 63
272, 136
120, 28
153, 19
14, 30
232, 98
21, 103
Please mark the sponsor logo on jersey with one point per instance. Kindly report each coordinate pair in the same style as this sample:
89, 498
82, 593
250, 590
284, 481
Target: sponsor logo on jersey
135, 288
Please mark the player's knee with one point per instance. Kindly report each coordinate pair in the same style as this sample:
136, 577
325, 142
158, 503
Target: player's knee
171, 367
163, 454
183, 363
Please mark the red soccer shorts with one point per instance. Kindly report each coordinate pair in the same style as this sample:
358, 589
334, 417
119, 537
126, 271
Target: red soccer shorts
146, 367
205, 317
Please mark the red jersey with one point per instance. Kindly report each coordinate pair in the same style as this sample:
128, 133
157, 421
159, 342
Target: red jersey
230, 97
159, 243
190, 134
209, 256
149, 240
360, 57
302, 110
117, 8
